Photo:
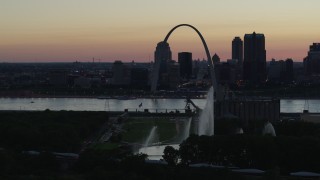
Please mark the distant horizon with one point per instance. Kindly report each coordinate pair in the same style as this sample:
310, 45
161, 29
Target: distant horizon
174, 54
77, 30
97, 62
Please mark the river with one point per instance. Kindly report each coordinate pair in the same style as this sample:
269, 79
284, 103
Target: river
91, 104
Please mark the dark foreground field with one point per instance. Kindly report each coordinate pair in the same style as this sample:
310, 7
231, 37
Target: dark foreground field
30, 141
59, 131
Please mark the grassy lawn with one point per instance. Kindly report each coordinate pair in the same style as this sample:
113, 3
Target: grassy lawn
136, 130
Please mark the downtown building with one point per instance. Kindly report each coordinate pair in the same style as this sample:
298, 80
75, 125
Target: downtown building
185, 62
254, 72
215, 59
225, 72
129, 74
249, 109
162, 58
163, 54
121, 73
254, 64
312, 62
280, 71
237, 50
237, 55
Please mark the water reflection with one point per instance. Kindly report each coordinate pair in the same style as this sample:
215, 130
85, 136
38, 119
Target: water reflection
90, 104
156, 152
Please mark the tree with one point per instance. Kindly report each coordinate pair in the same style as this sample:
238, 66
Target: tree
171, 155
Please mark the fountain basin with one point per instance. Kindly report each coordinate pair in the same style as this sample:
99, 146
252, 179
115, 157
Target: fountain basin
156, 152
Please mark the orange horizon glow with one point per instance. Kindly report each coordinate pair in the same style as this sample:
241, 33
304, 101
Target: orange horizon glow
78, 30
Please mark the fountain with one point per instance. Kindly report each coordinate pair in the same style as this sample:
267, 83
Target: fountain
268, 129
154, 152
205, 127
239, 131
186, 131
152, 137
206, 119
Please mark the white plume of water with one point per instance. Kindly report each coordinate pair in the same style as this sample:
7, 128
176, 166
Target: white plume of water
268, 129
186, 131
206, 120
239, 131
152, 137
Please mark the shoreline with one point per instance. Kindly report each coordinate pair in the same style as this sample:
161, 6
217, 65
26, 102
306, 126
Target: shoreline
98, 97
125, 97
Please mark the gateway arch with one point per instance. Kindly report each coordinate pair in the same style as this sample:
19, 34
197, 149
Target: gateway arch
163, 46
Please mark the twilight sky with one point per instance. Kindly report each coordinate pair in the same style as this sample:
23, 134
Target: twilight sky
70, 30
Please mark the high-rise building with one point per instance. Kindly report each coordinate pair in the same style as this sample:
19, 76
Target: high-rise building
254, 64
173, 79
215, 59
289, 70
185, 62
162, 56
312, 61
237, 50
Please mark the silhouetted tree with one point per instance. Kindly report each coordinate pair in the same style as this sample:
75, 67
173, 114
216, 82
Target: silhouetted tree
171, 155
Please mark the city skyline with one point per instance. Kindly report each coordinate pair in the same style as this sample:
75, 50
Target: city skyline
37, 31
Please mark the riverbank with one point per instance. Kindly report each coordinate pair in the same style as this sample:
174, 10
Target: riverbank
146, 95
138, 104
119, 97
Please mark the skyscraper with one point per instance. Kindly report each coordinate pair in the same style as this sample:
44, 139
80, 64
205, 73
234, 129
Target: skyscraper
162, 56
185, 62
215, 59
312, 61
289, 70
254, 65
237, 50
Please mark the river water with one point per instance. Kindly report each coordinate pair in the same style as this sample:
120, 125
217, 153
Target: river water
91, 104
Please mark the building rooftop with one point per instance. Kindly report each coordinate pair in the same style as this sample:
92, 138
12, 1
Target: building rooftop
253, 34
